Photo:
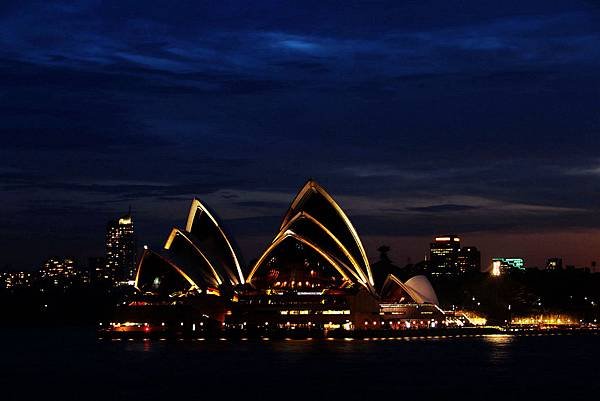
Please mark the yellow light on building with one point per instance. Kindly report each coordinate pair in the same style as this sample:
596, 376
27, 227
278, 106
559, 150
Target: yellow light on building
496, 268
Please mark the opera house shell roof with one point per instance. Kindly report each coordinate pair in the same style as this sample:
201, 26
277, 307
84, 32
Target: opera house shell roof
416, 290
316, 249
200, 258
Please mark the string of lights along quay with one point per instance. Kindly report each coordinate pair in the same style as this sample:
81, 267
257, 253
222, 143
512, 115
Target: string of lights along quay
313, 280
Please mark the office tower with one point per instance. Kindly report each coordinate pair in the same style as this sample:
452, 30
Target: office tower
443, 255
469, 259
120, 250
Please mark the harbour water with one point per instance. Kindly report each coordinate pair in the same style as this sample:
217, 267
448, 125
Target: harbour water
72, 364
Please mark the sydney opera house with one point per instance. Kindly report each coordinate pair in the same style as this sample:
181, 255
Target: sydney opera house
313, 276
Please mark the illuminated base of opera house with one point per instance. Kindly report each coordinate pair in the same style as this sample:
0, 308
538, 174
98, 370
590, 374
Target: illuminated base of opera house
313, 277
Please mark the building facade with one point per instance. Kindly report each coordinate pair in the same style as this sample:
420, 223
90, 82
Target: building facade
120, 251
502, 266
61, 273
469, 260
17, 279
443, 255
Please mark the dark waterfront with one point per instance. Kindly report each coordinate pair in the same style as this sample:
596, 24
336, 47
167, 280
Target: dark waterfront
72, 364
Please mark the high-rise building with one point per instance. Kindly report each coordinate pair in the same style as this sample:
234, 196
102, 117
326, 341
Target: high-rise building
469, 259
554, 264
120, 250
443, 255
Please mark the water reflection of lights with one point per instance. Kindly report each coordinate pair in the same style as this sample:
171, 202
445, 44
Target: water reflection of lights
499, 338
500, 346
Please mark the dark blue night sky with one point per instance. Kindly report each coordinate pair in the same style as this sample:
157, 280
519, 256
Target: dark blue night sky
480, 118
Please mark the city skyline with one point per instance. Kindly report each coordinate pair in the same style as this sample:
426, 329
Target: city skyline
479, 120
200, 191
102, 266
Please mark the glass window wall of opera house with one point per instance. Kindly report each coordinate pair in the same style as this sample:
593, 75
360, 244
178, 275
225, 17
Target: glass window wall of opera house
312, 278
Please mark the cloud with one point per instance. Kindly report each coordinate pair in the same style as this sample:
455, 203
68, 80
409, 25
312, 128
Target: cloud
155, 62
447, 208
293, 42
156, 45
465, 119
373, 171
583, 171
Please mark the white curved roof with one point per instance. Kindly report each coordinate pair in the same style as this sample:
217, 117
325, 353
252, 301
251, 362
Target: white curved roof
423, 288
206, 229
314, 200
